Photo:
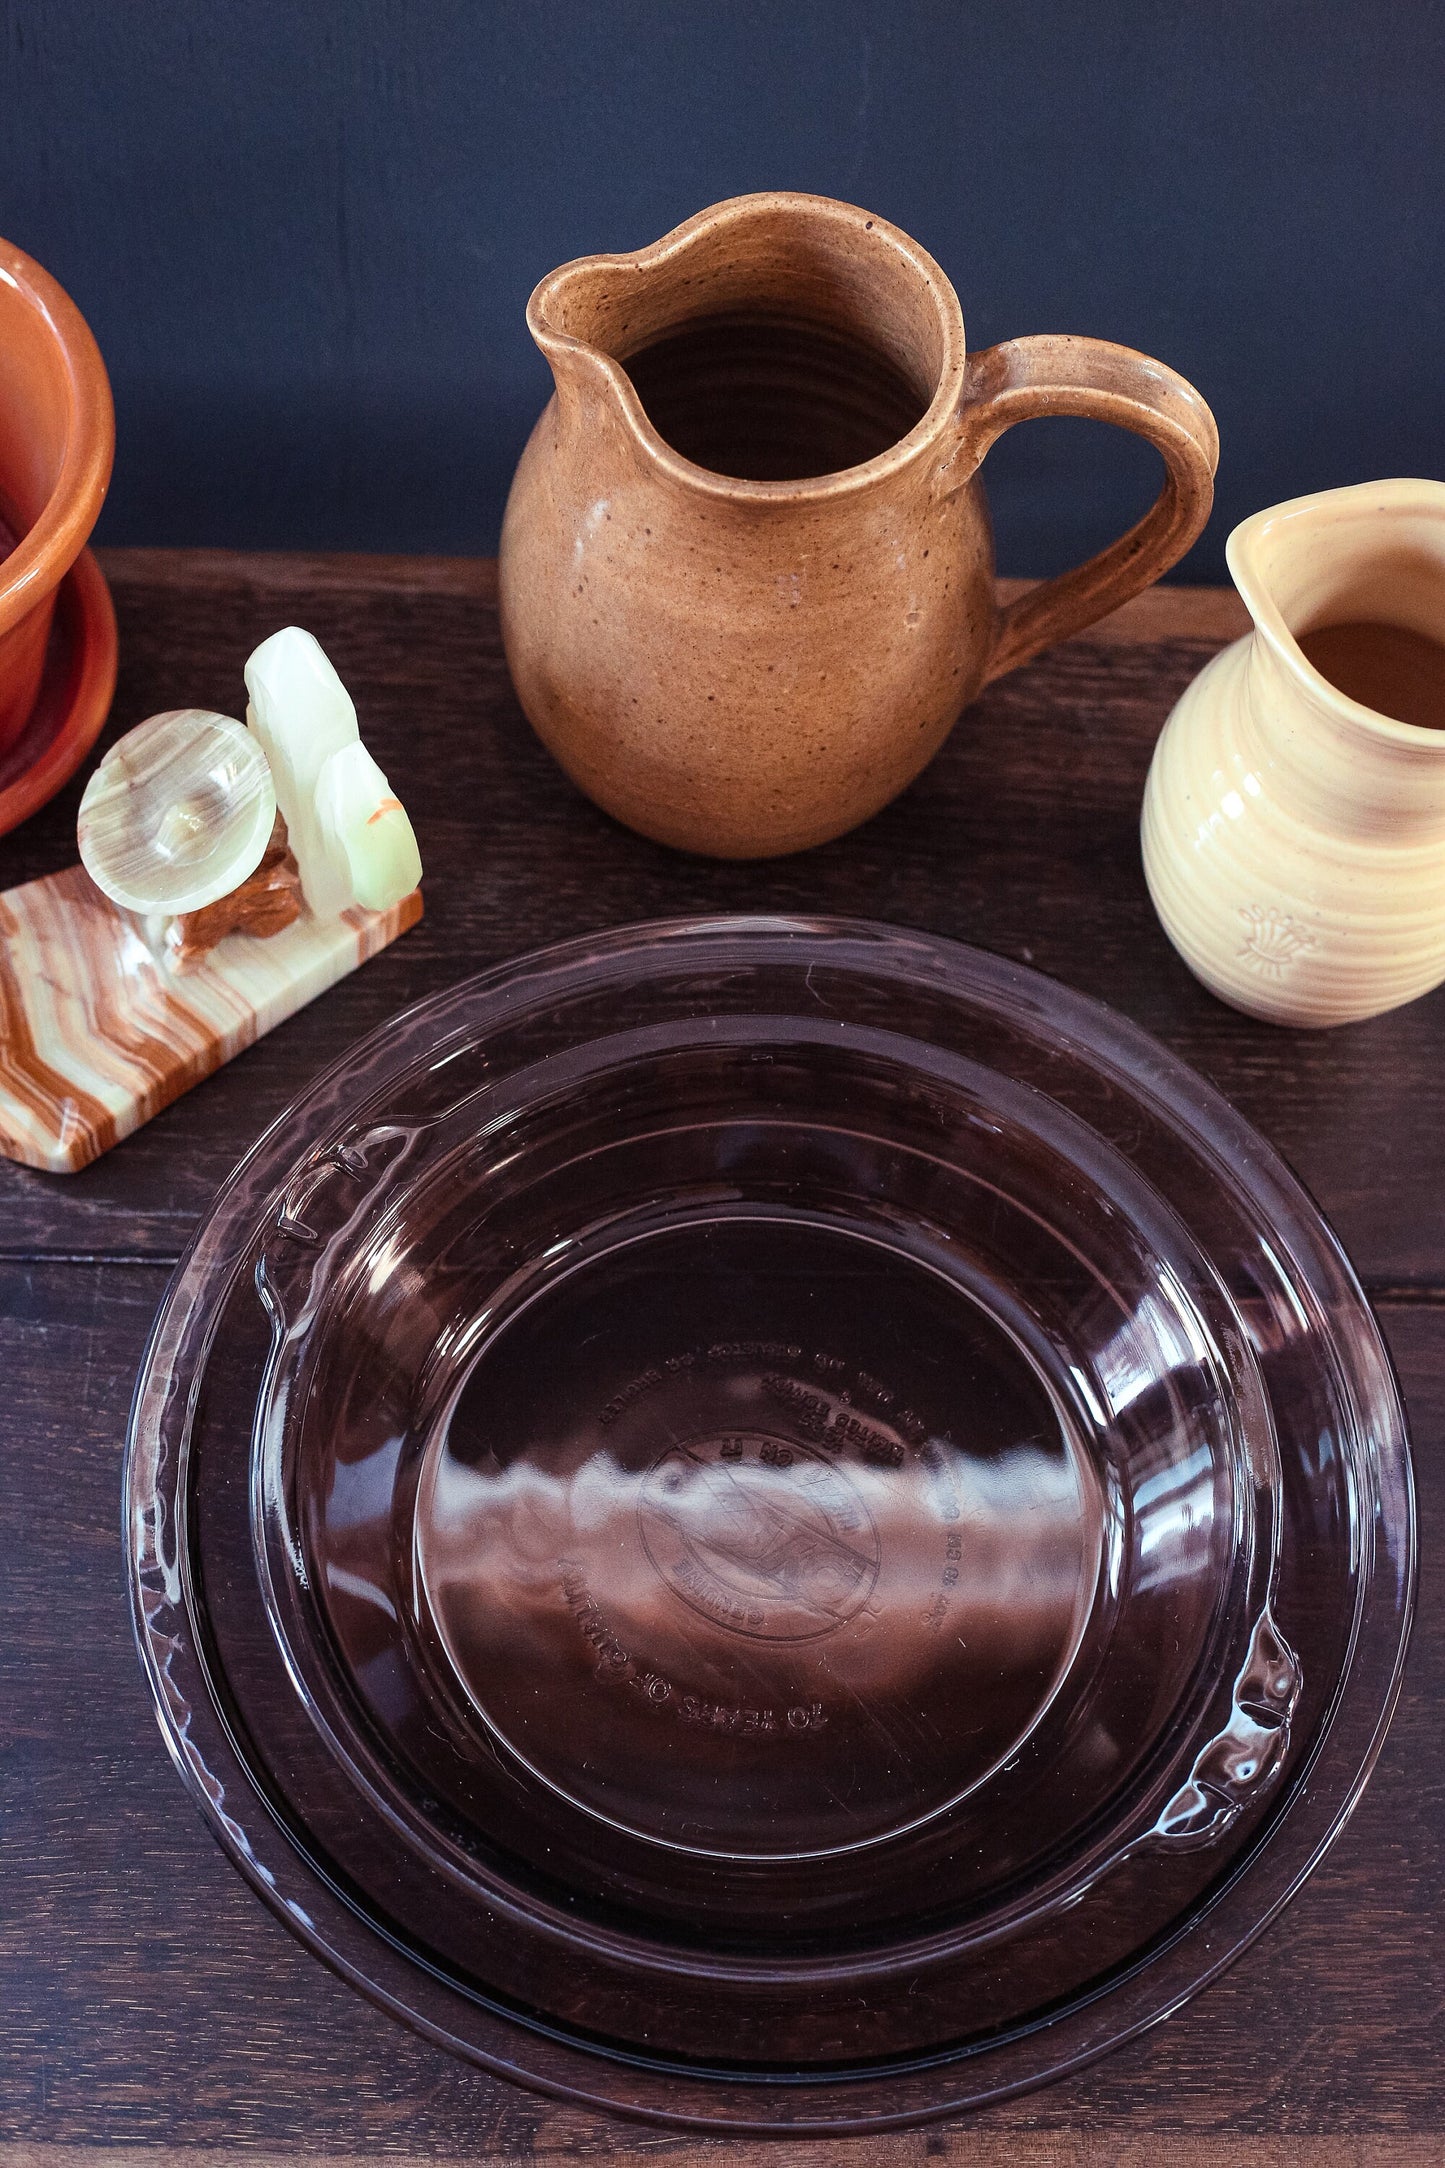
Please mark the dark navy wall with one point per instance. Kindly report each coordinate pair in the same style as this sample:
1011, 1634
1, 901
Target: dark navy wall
304, 231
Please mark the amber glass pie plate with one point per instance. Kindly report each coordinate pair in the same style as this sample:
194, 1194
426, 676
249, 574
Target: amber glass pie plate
772, 1523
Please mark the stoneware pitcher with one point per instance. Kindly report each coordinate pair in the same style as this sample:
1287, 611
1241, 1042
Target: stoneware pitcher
1294, 817
746, 566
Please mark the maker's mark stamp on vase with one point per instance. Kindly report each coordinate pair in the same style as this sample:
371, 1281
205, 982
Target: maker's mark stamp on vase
1273, 941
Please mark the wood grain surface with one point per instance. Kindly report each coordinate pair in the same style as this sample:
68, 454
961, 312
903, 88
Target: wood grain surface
147, 2000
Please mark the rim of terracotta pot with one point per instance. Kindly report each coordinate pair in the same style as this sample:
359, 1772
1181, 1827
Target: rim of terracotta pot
47, 550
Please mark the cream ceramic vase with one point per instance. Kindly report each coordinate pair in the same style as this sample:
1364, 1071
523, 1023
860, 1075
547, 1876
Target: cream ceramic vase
1294, 839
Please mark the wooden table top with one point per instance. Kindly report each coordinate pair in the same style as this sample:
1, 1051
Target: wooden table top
148, 2000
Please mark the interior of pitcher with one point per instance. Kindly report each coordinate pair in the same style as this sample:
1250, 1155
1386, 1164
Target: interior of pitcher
783, 341
1361, 588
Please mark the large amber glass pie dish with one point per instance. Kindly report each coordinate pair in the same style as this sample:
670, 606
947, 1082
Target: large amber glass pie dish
769, 1523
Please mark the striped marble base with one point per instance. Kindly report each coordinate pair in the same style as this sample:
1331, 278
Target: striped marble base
96, 1035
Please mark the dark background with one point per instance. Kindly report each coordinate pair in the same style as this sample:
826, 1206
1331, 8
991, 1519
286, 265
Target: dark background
304, 231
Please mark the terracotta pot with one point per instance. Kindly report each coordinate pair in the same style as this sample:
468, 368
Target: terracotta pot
747, 569
1294, 835
57, 439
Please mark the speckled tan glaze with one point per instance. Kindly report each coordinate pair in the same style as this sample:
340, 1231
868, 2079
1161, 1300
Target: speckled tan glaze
744, 667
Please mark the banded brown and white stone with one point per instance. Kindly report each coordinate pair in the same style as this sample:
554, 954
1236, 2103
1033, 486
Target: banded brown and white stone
98, 1032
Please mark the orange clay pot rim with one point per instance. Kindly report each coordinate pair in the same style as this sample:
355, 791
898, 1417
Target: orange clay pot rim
739, 211
43, 556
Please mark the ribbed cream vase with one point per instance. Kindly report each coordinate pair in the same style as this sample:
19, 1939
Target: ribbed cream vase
1294, 841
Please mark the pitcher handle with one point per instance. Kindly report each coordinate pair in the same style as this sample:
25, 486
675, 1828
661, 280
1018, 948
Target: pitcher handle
1025, 378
